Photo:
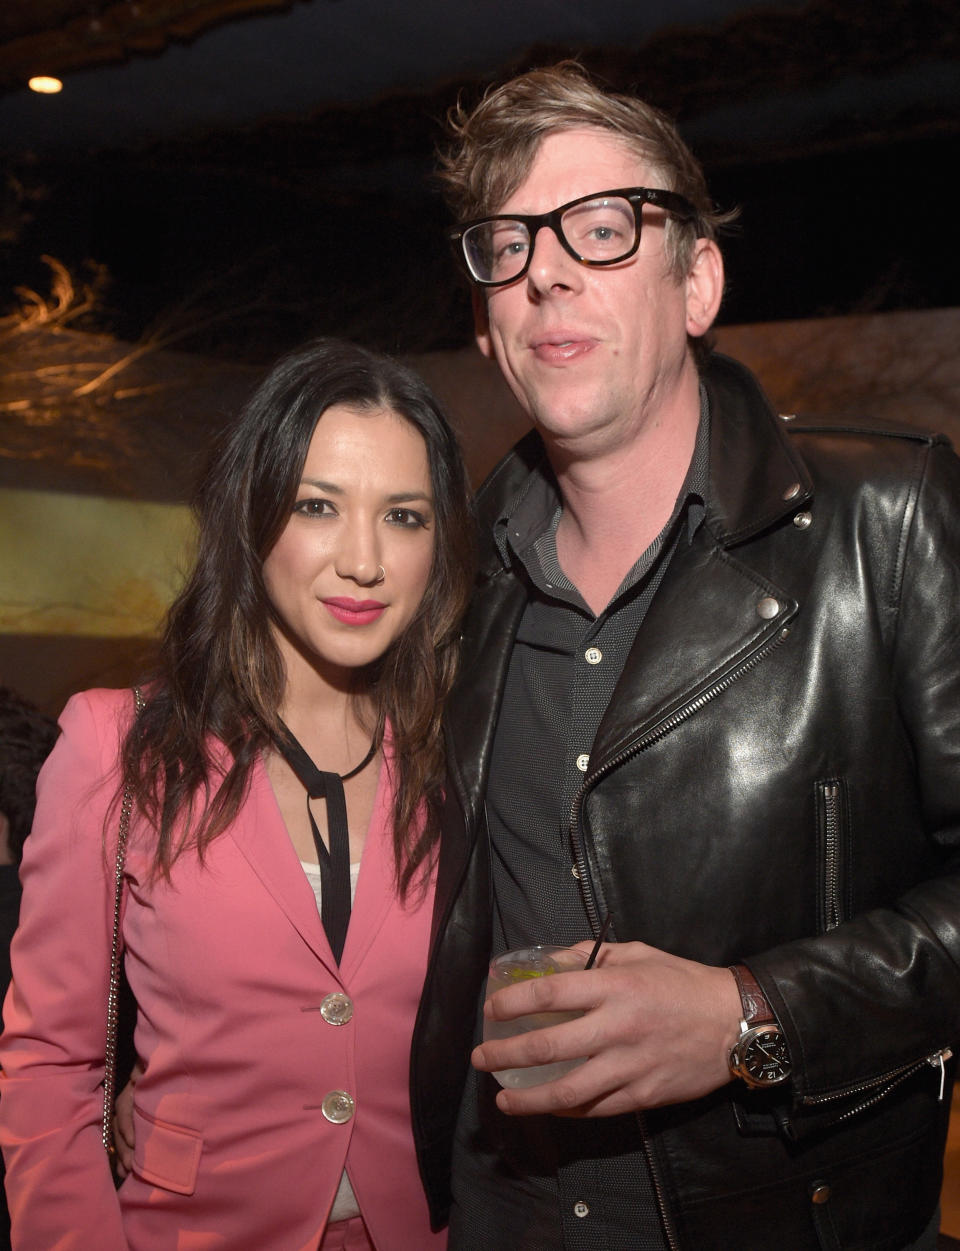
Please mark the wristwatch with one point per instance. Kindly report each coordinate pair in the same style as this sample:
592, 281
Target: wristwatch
759, 1057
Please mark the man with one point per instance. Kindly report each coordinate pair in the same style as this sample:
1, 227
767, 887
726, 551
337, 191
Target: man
710, 690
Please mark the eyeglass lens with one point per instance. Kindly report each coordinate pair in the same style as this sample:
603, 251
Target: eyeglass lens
603, 230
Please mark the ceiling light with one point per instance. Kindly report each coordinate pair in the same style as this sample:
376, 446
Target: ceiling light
45, 85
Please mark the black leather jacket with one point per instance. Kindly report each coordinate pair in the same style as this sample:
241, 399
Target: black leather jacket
777, 781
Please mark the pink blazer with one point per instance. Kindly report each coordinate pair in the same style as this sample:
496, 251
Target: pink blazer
240, 1141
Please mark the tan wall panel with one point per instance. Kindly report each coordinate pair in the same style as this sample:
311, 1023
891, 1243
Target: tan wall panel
82, 564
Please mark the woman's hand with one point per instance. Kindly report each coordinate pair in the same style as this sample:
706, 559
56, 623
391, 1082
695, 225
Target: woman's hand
123, 1135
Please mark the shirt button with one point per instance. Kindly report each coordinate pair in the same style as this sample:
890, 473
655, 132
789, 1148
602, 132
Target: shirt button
338, 1107
583, 761
336, 1008
593, 655
580, 1209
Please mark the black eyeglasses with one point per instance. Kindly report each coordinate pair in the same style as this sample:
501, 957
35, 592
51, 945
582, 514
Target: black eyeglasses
598, 229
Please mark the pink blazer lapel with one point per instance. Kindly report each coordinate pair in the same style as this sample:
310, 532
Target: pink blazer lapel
376, 885
262, 838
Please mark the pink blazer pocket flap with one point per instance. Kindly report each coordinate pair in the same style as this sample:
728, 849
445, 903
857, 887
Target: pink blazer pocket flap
166, 1155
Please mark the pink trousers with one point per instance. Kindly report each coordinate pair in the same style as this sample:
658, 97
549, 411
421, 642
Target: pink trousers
346, 1236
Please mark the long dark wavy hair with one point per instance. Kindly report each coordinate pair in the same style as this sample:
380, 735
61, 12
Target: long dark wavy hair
220, 677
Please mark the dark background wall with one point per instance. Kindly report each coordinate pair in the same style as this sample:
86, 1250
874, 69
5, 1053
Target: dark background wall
271, 178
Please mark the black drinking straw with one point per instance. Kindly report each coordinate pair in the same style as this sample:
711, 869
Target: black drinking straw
597, 945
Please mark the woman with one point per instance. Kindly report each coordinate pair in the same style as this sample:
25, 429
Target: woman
317, 632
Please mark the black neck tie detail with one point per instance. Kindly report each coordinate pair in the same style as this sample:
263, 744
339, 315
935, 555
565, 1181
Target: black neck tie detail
335, 863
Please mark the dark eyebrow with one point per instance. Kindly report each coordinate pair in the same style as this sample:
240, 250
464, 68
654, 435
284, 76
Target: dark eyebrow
400, 497
330, 487
410, 497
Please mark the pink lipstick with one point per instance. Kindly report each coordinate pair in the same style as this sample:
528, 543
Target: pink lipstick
354, 612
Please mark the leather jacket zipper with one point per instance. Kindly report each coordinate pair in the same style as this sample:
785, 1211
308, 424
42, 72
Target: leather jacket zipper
583, 873
641, 744
832, 799
665, 1218
888, 1081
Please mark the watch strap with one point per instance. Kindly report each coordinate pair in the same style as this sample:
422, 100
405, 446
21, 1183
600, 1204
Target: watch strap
756, 1010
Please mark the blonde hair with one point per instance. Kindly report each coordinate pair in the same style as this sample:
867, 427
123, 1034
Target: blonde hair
492, 146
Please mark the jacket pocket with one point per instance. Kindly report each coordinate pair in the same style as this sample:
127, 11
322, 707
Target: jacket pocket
833, 843
880, 1200
166, 1155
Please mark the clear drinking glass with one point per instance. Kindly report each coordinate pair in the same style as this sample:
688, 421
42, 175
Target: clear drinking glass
519, 966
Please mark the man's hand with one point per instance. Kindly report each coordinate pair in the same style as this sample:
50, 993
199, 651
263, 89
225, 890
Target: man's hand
657, 1030
123, 1135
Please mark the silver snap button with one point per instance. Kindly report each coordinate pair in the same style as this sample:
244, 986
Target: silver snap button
768, 608
803, 520
820, 1192
336, 1008
583, 762
593, 655
580, 1209
792, 491
338, 1107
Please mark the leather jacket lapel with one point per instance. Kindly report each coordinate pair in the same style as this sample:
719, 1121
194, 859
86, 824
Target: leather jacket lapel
757, 476
731, 617
472, 710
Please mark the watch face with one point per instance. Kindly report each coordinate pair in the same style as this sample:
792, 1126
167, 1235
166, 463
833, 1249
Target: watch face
763, 1056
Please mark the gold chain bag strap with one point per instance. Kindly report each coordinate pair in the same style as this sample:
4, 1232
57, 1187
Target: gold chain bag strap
116, 953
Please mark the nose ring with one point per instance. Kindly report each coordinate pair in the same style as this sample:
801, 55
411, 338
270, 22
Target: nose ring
381, 574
